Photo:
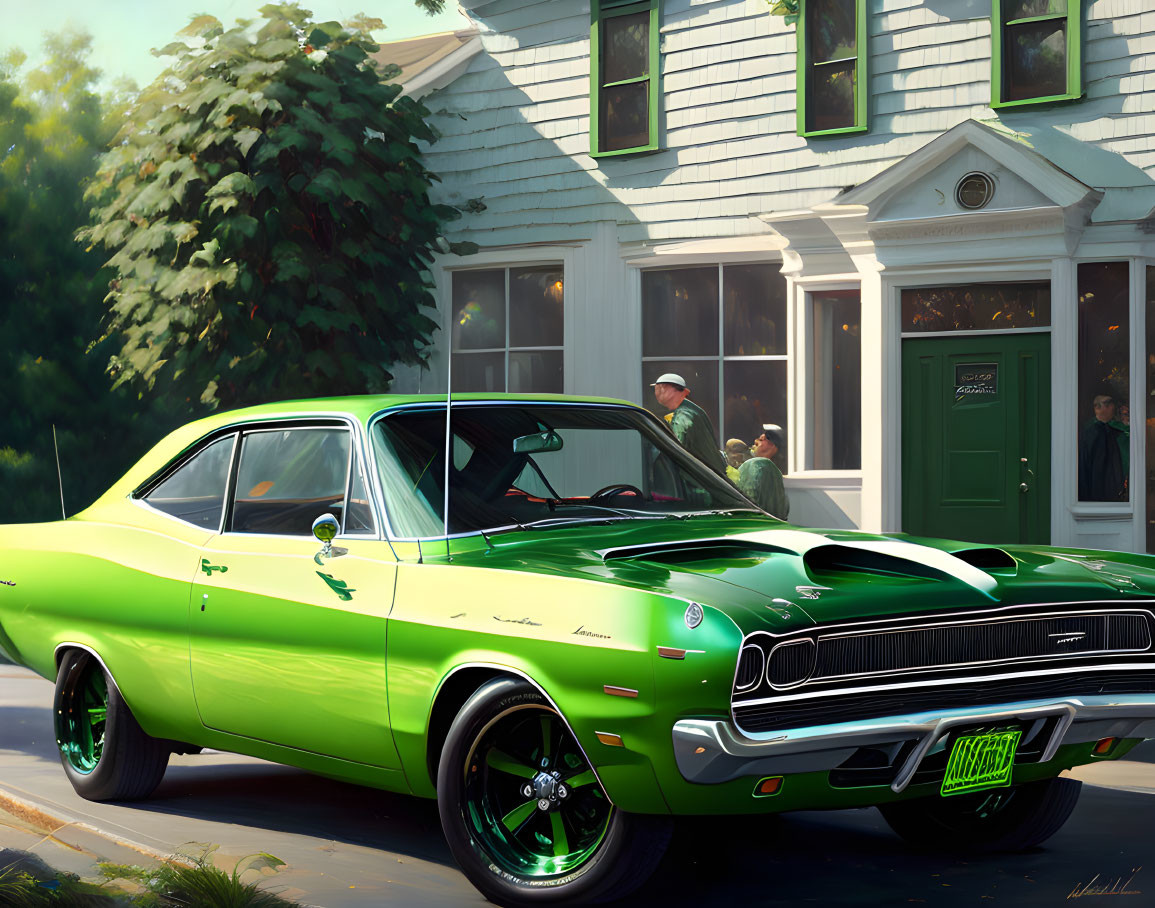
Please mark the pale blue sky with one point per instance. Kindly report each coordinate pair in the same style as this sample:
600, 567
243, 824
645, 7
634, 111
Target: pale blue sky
123, 31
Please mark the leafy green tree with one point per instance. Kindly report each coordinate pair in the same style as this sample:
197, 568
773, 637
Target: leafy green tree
268, 216
51, 133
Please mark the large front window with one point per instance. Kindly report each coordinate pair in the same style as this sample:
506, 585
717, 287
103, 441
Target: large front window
523, 465
723, 329
508, 330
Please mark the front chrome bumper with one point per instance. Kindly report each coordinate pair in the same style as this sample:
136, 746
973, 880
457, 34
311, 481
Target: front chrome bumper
711, 751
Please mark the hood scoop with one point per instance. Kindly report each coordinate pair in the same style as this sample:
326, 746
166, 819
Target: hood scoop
823, 560
987, 559
692, 550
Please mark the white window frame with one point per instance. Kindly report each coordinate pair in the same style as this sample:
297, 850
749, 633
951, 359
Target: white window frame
433, 381
804, 400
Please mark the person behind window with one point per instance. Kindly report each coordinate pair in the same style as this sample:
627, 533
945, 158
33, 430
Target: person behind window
759, 478
691, 425
1102, 475
737, 453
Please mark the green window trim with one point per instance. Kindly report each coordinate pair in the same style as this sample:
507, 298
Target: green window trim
600, 11
1074, 24
805, 66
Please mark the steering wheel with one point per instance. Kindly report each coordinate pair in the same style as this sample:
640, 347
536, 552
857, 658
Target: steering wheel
617, 489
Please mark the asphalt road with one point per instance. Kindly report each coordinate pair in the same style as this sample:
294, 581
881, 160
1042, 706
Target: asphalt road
348, 847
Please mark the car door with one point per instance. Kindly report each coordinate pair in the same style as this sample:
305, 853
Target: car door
288, 643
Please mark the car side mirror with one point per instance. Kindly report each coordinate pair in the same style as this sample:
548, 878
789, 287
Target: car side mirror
325, 528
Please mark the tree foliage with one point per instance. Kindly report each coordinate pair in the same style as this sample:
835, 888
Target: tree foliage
267, 212
52, 130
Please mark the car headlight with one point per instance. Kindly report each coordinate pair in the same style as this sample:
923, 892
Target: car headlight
791, 663
751, 665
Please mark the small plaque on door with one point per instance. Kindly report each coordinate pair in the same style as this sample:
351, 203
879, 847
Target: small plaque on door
976, 380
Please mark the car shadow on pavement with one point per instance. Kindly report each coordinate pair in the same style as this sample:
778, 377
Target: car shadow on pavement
845, 857
27, 731
289, 800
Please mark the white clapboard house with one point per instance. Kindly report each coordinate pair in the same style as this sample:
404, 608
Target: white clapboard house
917, 234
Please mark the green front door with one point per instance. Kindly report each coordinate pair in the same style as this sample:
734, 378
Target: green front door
976, 429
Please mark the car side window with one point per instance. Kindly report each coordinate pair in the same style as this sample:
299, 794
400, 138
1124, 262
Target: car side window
358, 512
287, 478
195, 492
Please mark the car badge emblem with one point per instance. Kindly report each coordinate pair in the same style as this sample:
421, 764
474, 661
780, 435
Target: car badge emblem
808, 592
340, 587
1071, 637
694, 615
209, 568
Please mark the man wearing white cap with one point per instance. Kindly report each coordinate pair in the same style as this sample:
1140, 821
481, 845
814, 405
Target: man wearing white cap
759, 478
690, 423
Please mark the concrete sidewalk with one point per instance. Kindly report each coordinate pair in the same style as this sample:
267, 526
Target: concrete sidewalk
345, 846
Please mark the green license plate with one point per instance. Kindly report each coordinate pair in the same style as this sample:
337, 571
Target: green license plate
981, 761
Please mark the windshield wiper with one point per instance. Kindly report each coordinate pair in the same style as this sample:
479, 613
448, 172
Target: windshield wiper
567, 503
723, 511
562, 521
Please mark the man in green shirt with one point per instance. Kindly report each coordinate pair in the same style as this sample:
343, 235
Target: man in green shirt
690, 423
759, 478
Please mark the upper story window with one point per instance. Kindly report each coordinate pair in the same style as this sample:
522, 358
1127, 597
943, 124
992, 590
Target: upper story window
623, 76
509, 330
832, 67
1036, 47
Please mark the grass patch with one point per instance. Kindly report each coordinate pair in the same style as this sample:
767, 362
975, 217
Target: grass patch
199, 884
204, 885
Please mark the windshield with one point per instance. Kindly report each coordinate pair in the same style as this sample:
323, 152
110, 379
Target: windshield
571, 463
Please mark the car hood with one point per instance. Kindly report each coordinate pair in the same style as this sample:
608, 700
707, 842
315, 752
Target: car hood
770, 576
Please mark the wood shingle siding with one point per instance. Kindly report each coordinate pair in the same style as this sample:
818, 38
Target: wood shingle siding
515, 125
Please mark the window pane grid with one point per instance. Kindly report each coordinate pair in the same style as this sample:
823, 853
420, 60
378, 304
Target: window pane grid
1037, 51
831, 67
633, 81
721, 309
532, 307
1029, 19
624, 66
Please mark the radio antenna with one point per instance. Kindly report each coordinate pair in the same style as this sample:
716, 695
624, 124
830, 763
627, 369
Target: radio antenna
448, 437
59, 475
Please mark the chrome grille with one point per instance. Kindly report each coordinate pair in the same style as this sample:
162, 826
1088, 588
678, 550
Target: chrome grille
979, 642
872, 667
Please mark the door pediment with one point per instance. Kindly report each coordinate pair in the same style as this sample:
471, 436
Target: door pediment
910, 215
933, 194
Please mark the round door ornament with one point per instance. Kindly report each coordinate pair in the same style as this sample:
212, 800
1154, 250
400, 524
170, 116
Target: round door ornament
975, 190
694, 615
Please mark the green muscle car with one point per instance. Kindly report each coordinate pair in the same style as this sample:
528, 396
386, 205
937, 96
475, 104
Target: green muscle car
600, 634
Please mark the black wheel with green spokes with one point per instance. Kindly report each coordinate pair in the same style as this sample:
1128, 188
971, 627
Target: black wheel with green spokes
1001, 819
81, 716
105, 753
524, 812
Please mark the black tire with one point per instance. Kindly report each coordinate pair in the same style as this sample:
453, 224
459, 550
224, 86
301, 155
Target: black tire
106, 755
1004, 819
614, 852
